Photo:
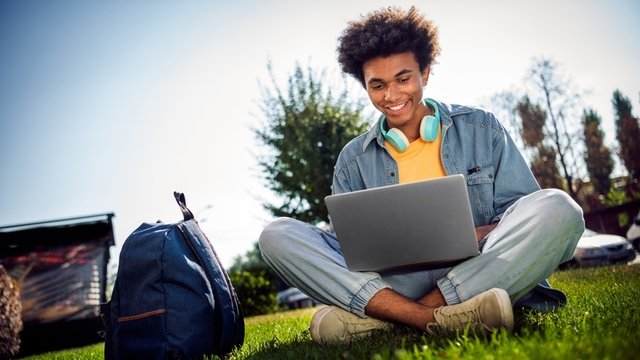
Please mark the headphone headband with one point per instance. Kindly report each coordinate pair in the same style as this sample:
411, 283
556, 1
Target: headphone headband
434, 106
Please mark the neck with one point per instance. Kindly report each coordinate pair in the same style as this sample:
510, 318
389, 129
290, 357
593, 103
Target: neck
412, 129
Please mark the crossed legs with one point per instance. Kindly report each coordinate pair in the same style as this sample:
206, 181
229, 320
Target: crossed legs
535, 235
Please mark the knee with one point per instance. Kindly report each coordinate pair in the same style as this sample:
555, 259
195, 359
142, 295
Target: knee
565, 216
558, 205
272, 240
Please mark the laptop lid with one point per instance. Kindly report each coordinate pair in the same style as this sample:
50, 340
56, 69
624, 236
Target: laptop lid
424, 224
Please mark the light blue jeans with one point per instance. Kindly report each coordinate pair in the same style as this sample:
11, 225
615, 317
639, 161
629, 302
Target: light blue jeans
534, 236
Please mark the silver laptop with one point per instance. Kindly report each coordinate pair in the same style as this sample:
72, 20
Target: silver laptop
423, 224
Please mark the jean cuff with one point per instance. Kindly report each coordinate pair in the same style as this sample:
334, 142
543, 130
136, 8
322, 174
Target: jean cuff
366, 292
448, 290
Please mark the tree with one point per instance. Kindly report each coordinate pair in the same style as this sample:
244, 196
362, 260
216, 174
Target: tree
543, 159
505, 104
557, 99
598, 156
543, 167
533, 119
627, 133
304, 130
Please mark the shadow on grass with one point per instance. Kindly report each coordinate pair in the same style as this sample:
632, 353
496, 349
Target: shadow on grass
382, 345
398, 343
42, 338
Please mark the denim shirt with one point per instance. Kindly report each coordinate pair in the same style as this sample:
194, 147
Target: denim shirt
474, 144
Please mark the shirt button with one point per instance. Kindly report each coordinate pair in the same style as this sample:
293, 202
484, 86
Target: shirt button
393, 174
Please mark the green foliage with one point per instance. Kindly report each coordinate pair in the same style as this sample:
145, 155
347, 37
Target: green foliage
618, 197
304, 130
256, 292
623, 220
615, 197
598, 156
255, 283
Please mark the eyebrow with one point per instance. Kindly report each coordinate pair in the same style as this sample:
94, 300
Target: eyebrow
400, 73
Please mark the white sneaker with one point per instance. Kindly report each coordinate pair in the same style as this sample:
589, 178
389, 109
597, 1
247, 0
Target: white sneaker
331, 324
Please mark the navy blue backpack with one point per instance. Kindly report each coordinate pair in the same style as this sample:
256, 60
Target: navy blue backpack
172, 299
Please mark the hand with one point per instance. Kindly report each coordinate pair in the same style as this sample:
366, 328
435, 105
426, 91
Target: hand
484, 230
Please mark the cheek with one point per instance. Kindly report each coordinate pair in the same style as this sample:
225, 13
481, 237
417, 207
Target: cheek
417, 90
374, 97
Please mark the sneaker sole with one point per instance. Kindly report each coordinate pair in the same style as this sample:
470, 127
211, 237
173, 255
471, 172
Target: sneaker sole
315, 322
365, 329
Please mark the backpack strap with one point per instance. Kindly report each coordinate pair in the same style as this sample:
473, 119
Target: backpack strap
182, 202
231, 318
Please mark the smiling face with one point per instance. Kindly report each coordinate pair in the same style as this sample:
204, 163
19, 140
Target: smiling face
394, 85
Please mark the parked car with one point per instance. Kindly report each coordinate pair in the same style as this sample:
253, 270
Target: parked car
633, 234
595, 249
293, 298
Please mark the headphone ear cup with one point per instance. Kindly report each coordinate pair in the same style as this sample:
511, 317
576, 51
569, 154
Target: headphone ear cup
397, 139
429, 128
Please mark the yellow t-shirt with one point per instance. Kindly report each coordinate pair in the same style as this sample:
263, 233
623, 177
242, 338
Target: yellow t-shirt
420, 161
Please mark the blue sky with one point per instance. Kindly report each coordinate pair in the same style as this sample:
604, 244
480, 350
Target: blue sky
110, 106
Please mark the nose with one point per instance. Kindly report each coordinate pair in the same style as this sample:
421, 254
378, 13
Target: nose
391, 93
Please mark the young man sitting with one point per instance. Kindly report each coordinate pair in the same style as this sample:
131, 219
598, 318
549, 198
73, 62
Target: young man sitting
524, 232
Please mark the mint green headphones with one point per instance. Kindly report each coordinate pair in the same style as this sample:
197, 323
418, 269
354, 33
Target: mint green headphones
429, 127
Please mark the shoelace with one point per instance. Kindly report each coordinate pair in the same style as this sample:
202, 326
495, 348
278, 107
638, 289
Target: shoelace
455, 321
459, 318
364, 326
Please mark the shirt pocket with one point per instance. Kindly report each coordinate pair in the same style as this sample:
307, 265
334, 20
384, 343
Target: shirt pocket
480, 186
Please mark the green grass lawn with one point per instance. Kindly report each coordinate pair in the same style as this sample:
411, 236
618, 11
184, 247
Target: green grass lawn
601, 321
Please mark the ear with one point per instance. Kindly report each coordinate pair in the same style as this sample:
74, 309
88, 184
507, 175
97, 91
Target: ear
425, 76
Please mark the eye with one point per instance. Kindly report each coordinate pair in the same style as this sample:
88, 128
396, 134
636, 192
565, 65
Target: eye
376, 86
403, 80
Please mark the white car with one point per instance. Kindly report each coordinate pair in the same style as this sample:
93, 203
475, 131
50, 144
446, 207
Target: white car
633, 234
595, 249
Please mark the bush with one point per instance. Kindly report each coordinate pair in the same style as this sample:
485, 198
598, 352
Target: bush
256, 292
10, 315
255, 283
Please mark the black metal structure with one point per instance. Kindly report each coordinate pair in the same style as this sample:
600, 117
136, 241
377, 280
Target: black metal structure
61, 269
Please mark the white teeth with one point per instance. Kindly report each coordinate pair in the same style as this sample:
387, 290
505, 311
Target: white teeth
398, 107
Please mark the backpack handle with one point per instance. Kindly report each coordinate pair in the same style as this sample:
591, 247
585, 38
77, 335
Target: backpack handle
182, 202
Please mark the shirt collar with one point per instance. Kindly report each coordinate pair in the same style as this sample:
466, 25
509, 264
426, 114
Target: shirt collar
374, 134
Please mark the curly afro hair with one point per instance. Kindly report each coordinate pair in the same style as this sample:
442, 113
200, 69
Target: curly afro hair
386, 32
